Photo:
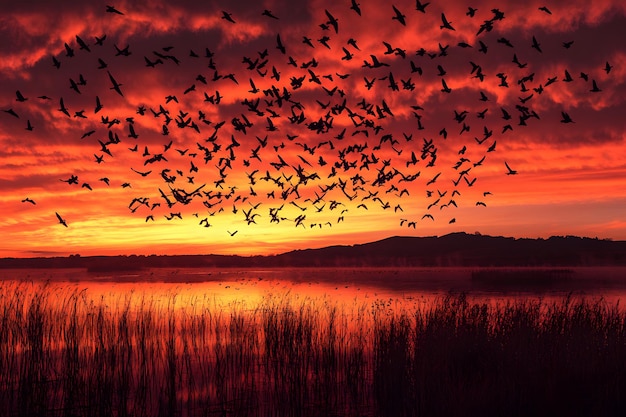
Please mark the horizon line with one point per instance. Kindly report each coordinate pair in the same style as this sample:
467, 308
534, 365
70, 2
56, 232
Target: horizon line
477, 234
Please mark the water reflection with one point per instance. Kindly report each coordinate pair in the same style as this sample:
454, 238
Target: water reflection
308, 342
345, 283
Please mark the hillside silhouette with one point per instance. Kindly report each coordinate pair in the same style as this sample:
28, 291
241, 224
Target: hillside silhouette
455, 249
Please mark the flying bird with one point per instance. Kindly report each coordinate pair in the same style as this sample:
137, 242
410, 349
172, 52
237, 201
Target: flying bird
111, 9
228, 16
509, 170
445, 24
116, 85
594, 87
21, 98
420, 7
12, 113
545, 9
536, 45
332, 21
566, 118
61, 219
269, 14
399, 16
355, 6
62, 108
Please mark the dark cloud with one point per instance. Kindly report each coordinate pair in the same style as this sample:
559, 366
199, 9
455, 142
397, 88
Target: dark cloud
175, 38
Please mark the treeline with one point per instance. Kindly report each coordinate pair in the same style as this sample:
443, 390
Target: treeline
456, 249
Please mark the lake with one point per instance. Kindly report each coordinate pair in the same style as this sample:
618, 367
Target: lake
346, 283
309, 342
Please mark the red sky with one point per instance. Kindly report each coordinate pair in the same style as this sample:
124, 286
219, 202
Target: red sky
349, 174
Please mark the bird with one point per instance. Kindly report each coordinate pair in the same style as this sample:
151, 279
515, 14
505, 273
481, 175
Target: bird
421, 7
399, 16
536, 45
280, 46
82, 44
445, 24
99, 105
20, 98
28, 200
445, 88
111, 9
228, 16
594, 88
61, 220
100, 40
62, 108
332, 21
269, 14
355, 6
12, 113
116, 85
545, 9
509, 170
566, 118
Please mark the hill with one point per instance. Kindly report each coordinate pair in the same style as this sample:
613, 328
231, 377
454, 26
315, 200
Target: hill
455, 249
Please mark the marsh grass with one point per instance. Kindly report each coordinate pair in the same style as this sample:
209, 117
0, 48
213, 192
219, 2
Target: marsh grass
65, 353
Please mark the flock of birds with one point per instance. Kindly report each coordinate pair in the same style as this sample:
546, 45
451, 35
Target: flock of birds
303, 141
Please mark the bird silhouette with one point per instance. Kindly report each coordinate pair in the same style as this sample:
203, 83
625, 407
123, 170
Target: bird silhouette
61, 220
421, 7
228, 17
445, 24
545, 9
111, 9
509, 170
565, 118
116, 85
401, 18
355, 6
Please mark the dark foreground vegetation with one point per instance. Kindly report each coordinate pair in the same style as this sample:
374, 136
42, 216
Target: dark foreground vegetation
64, 353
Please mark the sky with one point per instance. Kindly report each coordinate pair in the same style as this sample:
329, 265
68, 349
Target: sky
258, 127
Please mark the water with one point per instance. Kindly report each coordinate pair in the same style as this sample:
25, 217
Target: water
344, 283
331, 341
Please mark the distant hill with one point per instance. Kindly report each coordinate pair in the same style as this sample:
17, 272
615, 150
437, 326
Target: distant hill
462, 249
455, 249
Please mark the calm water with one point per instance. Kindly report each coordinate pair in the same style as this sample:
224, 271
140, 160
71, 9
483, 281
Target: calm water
354, 342
349, 284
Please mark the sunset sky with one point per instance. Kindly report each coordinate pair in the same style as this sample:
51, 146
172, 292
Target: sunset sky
218, 141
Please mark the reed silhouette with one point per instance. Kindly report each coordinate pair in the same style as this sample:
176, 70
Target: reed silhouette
66, 353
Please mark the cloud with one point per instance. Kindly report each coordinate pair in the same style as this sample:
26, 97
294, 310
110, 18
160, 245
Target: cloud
338, 137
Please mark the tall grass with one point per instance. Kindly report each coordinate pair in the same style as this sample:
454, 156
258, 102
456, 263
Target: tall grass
64, 353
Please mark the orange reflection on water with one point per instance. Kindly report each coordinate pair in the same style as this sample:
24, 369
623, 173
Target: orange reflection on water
273, 341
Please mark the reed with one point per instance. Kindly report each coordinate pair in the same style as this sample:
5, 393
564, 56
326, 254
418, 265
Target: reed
64, 353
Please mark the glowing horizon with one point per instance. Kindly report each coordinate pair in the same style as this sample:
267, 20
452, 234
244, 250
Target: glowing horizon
569, 176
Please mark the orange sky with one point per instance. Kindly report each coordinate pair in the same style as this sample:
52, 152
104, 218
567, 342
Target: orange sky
570, 177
